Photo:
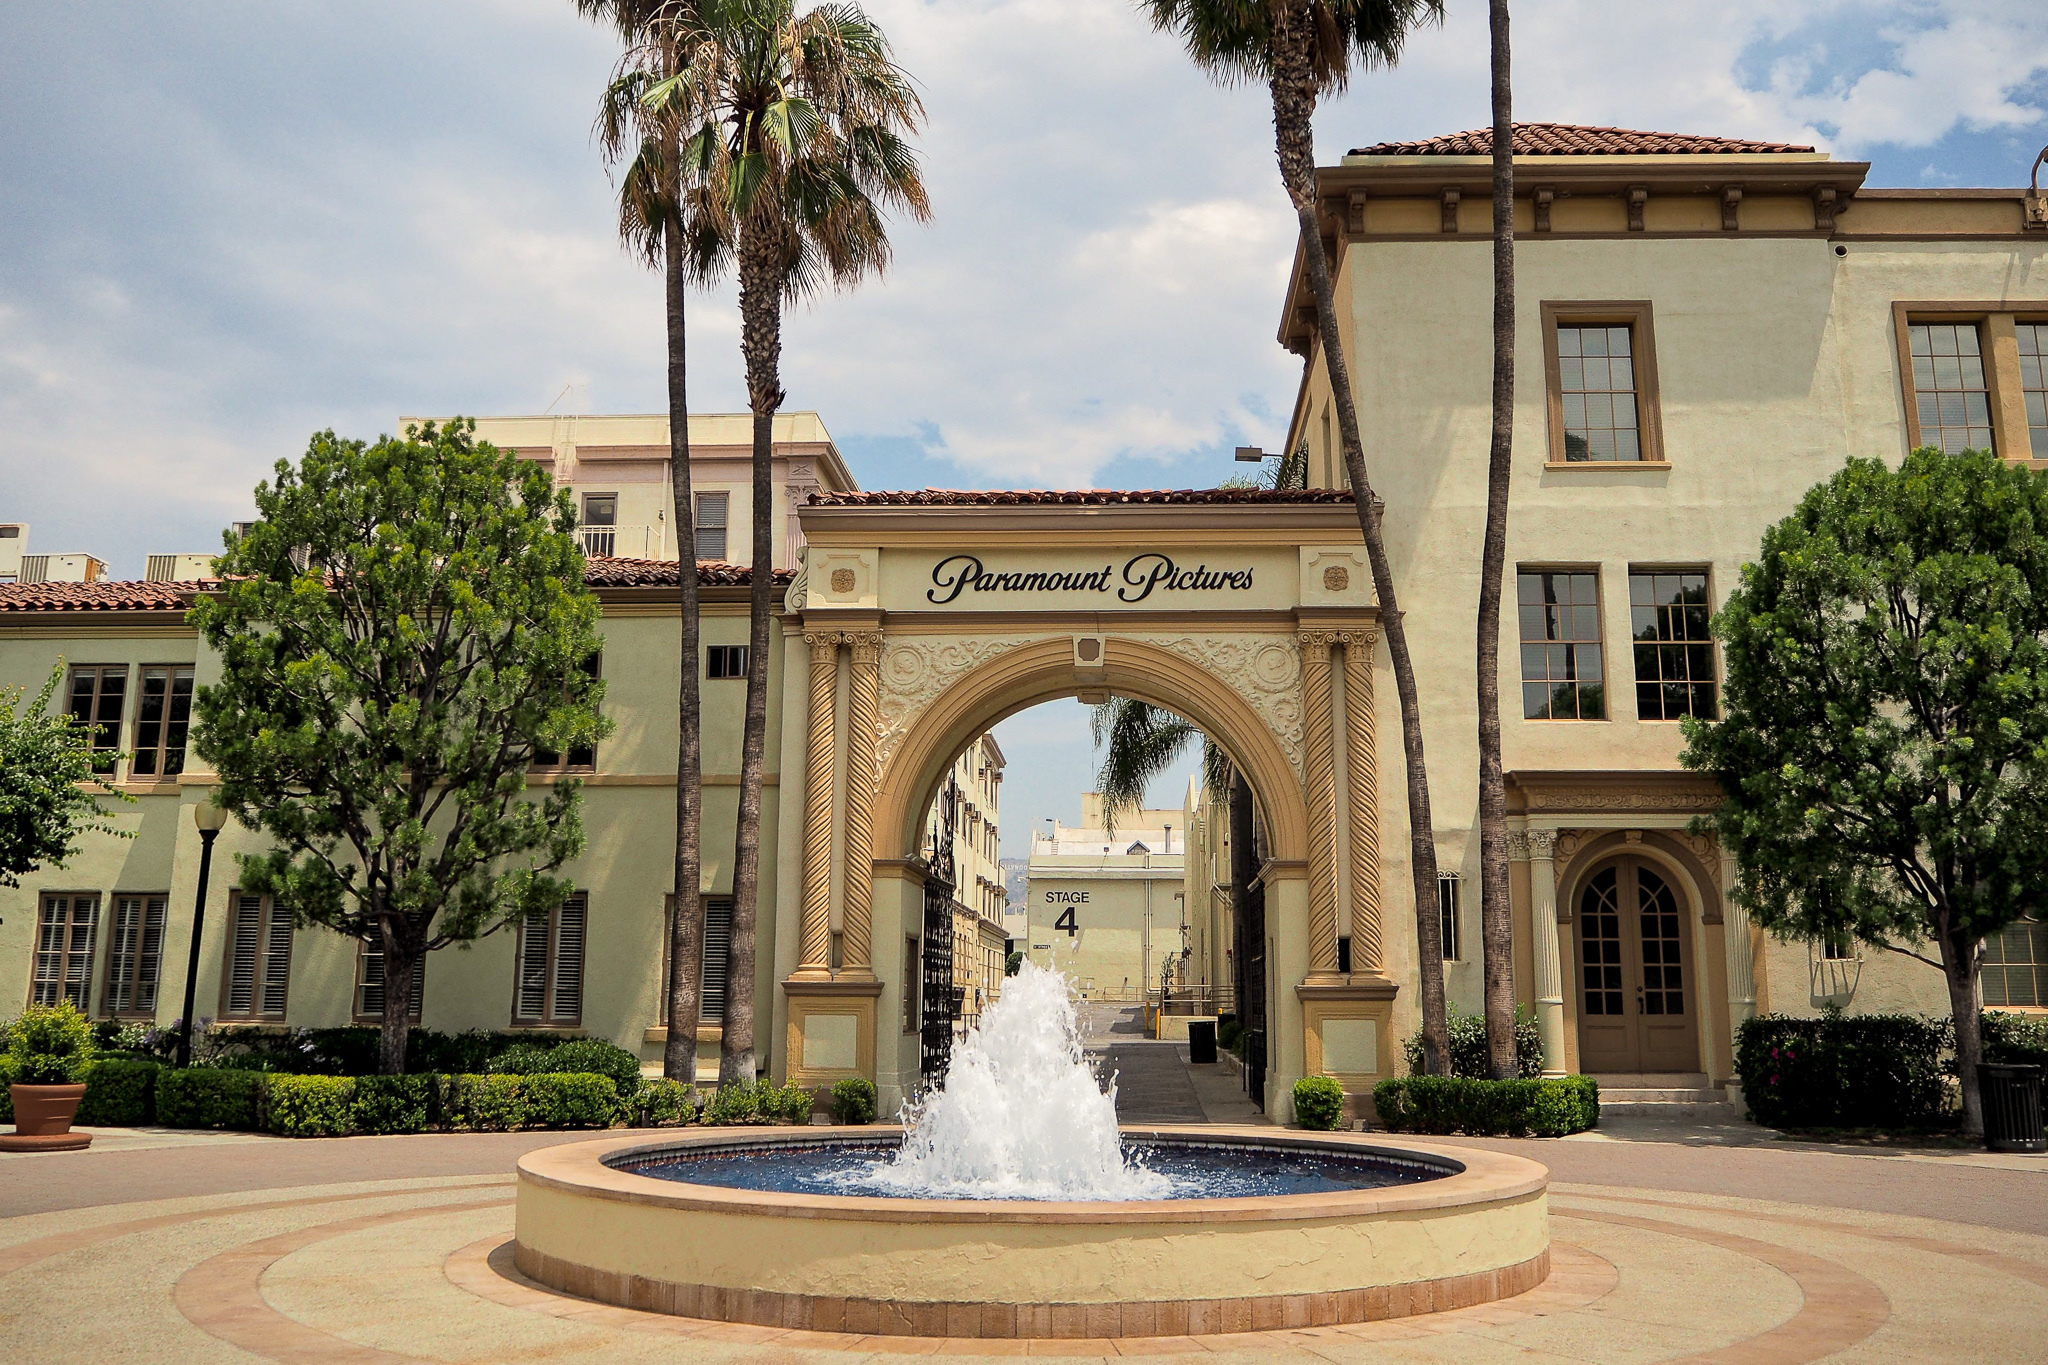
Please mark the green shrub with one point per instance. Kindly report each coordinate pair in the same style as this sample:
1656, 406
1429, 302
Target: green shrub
308, 1106
391, 1104
733, 1104
1545, 1107
209, 1097
522, 1059
1844, 1071
597, 1057
571, 1100
1318, 1103
119, 1093
791, 1104
1469, 1055
2016, 1039
50, 1045
1227, 1033
853, 1101
483, 1104
662, 1102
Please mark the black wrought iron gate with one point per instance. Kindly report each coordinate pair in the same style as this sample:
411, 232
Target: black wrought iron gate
936, 986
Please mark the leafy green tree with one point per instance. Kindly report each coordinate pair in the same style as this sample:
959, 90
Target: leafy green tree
658, 225
1303, 50
1884, 735
795, 142
399, 635
48, 789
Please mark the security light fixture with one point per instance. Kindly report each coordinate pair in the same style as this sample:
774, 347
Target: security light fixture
1250, 454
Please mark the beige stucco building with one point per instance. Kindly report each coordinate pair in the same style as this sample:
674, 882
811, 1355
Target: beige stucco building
1107, 905
965, 821
1707, 328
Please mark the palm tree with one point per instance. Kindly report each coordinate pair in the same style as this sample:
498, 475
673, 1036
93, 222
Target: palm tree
1302, 50
1496, 924
651, 224
795, 142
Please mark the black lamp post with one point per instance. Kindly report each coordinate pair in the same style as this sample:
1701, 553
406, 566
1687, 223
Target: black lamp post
210, 818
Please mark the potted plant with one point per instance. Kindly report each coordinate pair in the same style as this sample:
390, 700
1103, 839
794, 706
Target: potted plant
48, 1055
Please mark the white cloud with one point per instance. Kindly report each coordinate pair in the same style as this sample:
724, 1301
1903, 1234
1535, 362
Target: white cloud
284, 219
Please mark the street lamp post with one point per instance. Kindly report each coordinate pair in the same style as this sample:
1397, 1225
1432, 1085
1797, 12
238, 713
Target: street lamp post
210, 818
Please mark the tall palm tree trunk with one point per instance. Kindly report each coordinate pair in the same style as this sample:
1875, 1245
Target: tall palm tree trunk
761, 340
686, 926
1496, 922
1293, 111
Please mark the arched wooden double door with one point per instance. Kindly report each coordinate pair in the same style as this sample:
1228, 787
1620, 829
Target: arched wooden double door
1638, 993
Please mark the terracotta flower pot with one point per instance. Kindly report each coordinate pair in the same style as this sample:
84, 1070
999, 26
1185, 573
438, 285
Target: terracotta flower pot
42, 1118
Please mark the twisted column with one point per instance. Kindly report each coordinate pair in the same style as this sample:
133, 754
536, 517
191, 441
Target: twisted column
814, 938
863, 725
1542, 846
1322, 804
1368, 953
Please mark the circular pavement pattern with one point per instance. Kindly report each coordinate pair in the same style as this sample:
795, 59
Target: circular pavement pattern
418, 1269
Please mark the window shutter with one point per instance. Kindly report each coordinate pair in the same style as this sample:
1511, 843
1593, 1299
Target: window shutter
717, 960
64, 942
569, 927
242, 946
135, 955
370, 1004
277, 960
532, 987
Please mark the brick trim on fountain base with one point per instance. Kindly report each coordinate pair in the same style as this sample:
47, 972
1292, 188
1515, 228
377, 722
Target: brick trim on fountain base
1177, 1317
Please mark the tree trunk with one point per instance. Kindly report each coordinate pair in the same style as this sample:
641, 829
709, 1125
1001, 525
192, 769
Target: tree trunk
1496, 922
686, 925
1959, 966
1293, 110
401, 965
761, 340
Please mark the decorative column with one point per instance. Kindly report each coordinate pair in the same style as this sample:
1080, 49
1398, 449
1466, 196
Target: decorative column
1741, 960
1542, 844
863, 724
1368, 953
814, 938
1322, 805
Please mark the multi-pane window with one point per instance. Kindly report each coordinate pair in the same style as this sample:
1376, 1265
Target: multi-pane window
725, 661
2034, 383
1600, 944
580, 755
1668, 615
1597, 386
549, 985
1948, 386
64, 941
1663, 945
712, 509
2016, 965
1562, 673
95, 701
135, 955
370, 984
163, 714
259, 966
1447, 909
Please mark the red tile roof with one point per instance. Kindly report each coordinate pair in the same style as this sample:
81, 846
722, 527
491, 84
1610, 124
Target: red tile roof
1093, 497
1576, 139
125, 595
105, 595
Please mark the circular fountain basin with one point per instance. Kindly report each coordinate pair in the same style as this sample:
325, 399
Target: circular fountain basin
1456, 1227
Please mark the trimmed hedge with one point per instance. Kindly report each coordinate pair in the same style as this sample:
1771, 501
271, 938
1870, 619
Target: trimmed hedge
661, 1102
1318, 1103
483, 1104
571, 1100
853, 1101
1469, 1054
2016, 1039
762, 1103
579, 1054
392, 1104
119, 1094
309, 1106
1547, 1107
209, 1097
1840, 1070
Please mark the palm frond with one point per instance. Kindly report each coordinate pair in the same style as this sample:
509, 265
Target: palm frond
1139, 742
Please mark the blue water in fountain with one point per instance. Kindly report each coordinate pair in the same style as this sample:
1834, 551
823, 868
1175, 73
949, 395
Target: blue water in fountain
1022, 1116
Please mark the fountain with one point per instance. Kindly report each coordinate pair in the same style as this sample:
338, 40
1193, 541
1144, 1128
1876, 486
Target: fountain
1010, 1204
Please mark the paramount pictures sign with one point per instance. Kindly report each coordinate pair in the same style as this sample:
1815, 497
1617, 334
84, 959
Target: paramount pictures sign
964, 578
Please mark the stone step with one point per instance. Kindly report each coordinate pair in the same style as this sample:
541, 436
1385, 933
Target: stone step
1661, 1095
1650, 1080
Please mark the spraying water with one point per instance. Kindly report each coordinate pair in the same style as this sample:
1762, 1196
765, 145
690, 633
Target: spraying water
1021, 1115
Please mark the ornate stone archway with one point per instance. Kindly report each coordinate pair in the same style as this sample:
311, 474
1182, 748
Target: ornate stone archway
929, 617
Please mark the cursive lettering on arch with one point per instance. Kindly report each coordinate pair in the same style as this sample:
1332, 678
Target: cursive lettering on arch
1139, 578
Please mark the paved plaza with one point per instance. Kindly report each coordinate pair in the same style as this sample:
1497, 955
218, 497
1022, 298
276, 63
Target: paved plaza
1695, 1242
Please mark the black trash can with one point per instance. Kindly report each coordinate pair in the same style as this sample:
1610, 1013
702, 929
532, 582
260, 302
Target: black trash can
1202, 1048
2012, 1108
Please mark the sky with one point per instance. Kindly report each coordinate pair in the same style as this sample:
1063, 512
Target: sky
225, 227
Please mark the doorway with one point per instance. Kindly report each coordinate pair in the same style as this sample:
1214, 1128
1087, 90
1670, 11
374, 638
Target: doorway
1637, 992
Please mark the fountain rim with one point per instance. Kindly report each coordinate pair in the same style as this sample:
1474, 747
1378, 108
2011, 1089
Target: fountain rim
1472, 1176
